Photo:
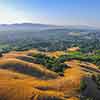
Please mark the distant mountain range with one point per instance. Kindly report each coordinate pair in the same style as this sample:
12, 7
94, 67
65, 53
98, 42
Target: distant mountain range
31, 26
26, 26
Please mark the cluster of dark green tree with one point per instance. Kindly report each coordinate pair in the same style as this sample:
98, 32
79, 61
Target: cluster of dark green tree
93, 58
58, 65
51, 63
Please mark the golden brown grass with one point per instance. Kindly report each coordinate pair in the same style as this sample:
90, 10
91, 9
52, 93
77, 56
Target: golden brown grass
14, 54
73, 49
22, 80
19, 90
27, 68
73, 98
55, 53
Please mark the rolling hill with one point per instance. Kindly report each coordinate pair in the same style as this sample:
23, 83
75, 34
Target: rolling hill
23, 79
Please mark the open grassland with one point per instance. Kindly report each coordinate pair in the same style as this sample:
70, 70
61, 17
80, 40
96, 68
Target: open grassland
22, 79
27, 68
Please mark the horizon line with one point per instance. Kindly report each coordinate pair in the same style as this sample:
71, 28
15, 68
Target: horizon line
84, 25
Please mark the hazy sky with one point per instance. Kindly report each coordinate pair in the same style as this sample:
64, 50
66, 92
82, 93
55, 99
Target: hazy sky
59, 12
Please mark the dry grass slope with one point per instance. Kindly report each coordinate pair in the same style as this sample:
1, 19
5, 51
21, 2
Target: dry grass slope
19, 90
27, 68
22, 79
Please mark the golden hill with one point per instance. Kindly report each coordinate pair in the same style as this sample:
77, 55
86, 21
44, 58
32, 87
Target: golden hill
22, 79
27, 68
19, 90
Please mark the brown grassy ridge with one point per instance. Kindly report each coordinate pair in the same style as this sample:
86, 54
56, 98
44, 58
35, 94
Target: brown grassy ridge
27, 68
14, 86
9, 75
72, 79
19, 90
14, 54
57, 84
55, 53
43, 89
18, 84
31, 88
